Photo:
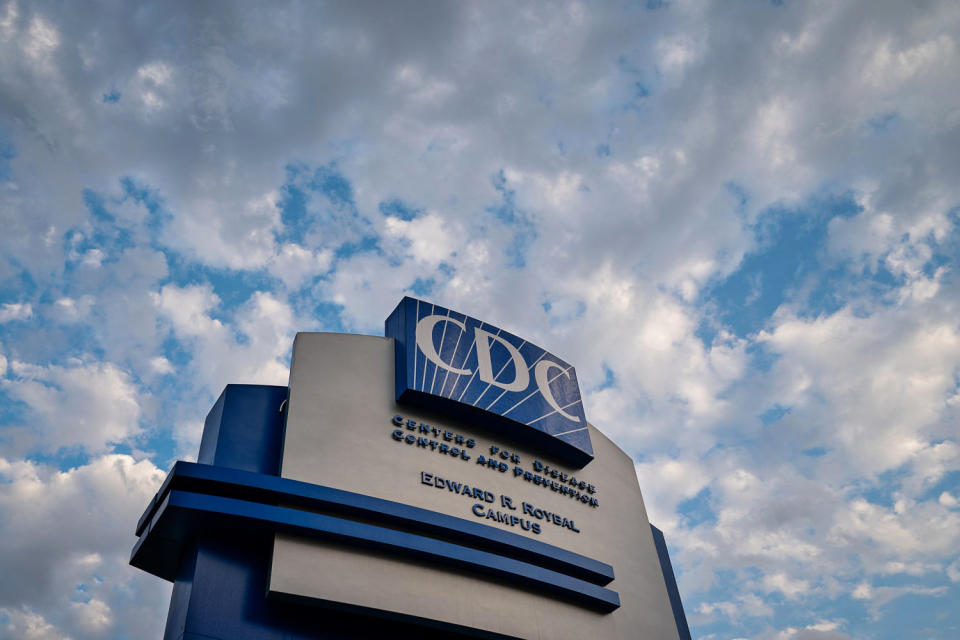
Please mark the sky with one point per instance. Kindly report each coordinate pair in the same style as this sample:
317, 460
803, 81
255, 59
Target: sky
736, 219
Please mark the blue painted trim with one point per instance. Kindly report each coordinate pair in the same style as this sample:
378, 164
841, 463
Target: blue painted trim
182, 514
679, 617
264, 488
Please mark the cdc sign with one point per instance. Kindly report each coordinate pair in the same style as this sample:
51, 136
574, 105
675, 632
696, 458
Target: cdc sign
452, 362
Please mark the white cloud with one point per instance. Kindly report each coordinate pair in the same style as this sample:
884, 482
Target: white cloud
364, 285
293, 264
908, 530
228, 232
888, 67
746, 606
101, 501
825, 630
93, 258
87, 404
15, 311
26, 624
431, 238
676, 53
152, 83
93, 615
879, 380
187, 435
249, 350
410, 81
11, 13
161, 365
562, 194
67, 309
624, 159
953, 571
187, 309
911, 568
773, 132
665, 483
789, 587
880, 596
42, 40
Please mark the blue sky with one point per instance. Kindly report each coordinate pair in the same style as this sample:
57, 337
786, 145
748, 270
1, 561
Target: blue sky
739, 220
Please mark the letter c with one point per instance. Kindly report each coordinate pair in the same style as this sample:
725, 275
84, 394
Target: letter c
425, 341
541, 373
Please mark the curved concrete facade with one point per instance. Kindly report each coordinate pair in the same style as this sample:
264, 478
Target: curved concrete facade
345, 430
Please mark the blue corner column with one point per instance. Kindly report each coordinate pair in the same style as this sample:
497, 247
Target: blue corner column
244, 430
220, 590
671, 581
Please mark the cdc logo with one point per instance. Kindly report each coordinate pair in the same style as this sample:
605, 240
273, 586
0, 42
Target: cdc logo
450, 362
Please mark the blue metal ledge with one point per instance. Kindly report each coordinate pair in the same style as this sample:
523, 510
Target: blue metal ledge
275, 490
182, 513
197, 497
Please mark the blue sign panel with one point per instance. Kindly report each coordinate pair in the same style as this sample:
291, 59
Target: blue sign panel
457, 364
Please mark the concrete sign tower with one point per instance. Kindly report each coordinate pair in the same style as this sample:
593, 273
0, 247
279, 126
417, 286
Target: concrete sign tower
441, 481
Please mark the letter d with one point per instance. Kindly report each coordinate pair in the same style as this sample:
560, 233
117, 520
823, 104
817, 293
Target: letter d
485, 368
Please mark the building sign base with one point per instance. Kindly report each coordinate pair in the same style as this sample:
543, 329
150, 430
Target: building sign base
337, 508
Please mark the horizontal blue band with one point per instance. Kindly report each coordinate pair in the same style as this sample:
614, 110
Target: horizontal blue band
179, 515
264, 488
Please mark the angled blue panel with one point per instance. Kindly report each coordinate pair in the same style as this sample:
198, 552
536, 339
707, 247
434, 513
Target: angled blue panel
454, 363
671, 581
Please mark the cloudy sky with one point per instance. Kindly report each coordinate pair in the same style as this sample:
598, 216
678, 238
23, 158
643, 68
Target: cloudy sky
737, 219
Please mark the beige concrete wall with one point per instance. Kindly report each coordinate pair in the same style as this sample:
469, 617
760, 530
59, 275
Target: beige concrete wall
338, 434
